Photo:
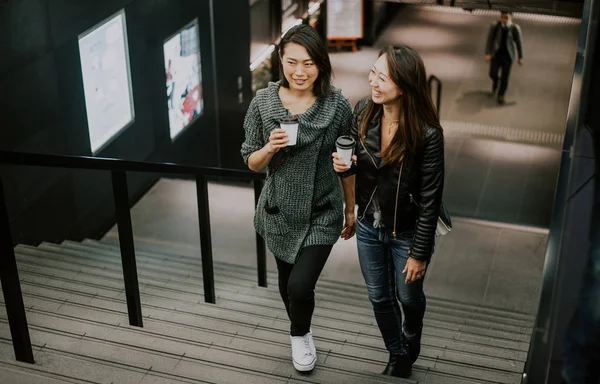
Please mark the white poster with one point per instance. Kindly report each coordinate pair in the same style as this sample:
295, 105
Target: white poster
184, 79
104, 58
344, 19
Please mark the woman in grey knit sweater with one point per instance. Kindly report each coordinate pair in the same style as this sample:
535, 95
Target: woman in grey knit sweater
300, 212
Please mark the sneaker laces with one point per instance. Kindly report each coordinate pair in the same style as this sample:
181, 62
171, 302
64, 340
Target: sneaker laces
307, 345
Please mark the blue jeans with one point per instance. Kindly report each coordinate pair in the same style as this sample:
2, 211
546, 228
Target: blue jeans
582, 343
382, 260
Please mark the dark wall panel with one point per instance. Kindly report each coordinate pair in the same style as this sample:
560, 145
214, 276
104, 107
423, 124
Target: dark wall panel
25, 33
42, 107
233, 100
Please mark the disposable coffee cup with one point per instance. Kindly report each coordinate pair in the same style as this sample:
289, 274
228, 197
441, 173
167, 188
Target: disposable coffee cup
345, 148
290, 126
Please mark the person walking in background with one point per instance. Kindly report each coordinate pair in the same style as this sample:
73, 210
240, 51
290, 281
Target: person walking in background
399, 185
300, 211
503, 37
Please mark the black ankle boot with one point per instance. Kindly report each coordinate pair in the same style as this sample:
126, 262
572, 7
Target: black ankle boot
414, 346
398, 366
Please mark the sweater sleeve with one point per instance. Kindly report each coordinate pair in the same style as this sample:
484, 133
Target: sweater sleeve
253, 129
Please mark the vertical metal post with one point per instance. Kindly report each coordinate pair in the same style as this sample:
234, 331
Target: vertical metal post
11, 288
132, 289
261, 252
205, 239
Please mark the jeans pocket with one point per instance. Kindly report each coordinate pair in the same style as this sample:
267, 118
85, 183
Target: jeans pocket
365, 231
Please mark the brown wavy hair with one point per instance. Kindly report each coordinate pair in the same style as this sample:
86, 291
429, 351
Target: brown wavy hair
417, 111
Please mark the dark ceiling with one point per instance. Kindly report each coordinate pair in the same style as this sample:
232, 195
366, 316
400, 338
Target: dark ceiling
570, 8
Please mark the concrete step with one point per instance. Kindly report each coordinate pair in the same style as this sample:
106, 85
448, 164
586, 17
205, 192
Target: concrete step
176, 290
189, 254
74, 306
13, 372
81, 356
433, 349
433, 344
434, 307
192, 293
249, 354
75, 297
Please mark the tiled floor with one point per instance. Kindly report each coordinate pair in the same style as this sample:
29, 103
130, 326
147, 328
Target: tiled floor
452, 47
502, 162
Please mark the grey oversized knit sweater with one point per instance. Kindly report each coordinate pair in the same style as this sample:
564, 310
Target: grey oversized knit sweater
301, 203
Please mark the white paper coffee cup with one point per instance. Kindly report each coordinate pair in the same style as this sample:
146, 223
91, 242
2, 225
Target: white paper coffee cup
346, 155
290, 126
345, 148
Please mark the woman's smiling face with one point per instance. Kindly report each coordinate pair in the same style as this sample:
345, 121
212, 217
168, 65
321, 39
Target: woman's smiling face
383, 89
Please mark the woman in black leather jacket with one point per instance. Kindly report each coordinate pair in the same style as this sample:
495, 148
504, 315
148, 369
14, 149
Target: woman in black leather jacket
399, 170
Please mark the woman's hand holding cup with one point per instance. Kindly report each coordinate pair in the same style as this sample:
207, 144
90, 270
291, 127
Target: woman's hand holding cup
277, 139
339, 165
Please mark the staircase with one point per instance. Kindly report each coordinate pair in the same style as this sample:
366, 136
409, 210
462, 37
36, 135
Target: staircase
75, 300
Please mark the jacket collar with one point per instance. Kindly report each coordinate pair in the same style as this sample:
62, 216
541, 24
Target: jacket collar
372, 140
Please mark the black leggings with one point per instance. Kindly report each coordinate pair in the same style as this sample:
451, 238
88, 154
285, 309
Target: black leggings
297, 285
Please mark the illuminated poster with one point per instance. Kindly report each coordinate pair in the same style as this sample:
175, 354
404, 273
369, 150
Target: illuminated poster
184, 80
104, 58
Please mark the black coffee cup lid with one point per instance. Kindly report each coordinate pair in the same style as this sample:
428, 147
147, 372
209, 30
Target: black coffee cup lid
345, 142
289, 119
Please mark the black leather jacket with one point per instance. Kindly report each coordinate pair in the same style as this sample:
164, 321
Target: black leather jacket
410, 200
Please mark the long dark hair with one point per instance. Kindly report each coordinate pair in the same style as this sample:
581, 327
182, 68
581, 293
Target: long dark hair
308, 37
417, 111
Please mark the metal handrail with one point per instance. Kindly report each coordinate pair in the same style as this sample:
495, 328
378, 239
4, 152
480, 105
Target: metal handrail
9, 276
112, 164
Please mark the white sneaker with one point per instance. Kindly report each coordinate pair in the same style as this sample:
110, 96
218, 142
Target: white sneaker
311, 343
304, 355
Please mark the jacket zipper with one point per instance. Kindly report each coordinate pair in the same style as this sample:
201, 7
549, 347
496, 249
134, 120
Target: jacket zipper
367, 151
373, 193
397, 194
367, 207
